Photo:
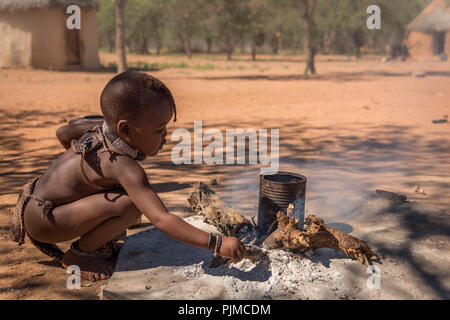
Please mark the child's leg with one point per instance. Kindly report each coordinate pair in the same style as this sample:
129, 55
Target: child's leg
97, 219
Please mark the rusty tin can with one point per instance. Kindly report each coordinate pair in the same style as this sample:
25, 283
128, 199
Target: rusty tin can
276, 192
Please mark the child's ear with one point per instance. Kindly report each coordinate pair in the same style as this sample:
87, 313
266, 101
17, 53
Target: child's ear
123, 127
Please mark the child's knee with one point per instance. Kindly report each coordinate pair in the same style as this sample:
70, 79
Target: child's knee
62, 133
128, 209
133, 213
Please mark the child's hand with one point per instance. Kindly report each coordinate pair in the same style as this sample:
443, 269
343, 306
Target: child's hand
232, 248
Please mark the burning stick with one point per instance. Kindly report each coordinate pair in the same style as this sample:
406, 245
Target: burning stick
317, 235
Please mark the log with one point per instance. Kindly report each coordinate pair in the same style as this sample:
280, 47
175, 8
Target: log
216, 212
317, 234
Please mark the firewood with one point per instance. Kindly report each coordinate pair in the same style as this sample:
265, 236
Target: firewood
216, 212
316, 235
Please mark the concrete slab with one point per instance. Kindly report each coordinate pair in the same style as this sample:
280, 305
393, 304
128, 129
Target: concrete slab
411, 239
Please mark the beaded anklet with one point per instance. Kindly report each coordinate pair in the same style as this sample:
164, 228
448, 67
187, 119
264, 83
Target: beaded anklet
76, 249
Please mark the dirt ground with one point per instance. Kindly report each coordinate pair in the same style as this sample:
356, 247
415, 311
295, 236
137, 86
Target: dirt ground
359, 124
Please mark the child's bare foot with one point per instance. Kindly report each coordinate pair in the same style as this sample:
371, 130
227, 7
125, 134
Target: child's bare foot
92, 267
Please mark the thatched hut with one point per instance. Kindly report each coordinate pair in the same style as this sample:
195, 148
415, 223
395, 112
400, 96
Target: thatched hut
428, 35
34, 34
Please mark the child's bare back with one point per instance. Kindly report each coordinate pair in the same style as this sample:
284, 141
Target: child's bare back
97, 188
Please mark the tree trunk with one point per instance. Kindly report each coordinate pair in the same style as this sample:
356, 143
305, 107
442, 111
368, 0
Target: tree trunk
358, 40
158, 39
186, 30
254, 47
110, 44
228, 44
310, 51
278, 35
358, 52
242, 44
120, 33
142, 45
275, 43
229, 52
186, 36
209, 42
328, 40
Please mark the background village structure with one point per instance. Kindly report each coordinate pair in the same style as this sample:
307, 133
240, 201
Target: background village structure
30, 37
34, 34
429, 34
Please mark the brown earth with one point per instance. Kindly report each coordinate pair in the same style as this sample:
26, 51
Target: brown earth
359, 124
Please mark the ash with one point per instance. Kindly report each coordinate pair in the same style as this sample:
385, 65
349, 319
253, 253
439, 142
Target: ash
279, 275
247, 234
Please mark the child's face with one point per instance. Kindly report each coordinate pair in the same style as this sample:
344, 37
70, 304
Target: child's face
148, 132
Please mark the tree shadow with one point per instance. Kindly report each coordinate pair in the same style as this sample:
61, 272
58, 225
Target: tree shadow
360, 149
169, 186
15, 159
331, 76
111, 70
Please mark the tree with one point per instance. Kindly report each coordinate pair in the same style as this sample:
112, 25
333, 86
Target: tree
327, 26
309, 6
396, 15
282, 26
257, 15
229, 16
207, 22
343, 29
106, 25
120, 35
184, 13
145, 21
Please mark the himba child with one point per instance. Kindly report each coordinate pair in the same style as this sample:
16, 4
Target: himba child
97, 189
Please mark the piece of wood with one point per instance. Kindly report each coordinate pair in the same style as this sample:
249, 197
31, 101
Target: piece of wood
216, 212
316, 235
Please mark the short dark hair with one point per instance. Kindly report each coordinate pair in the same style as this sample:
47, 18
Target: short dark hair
125, 96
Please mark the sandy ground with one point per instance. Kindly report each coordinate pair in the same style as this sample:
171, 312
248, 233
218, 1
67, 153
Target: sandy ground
357, 125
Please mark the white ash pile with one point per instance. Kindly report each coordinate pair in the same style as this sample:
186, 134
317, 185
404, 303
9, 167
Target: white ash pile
280, 275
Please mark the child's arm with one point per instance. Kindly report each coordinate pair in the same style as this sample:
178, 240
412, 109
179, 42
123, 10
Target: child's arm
67, 133
134, 180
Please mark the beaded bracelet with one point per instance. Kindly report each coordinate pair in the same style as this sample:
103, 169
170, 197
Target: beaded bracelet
209, 240
218, 244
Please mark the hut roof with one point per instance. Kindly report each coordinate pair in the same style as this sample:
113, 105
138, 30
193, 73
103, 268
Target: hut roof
14, 5
435, 17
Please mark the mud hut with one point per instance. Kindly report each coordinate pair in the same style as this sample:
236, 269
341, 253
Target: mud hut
34, 34
428, 35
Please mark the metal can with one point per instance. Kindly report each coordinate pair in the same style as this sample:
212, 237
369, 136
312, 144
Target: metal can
276, 192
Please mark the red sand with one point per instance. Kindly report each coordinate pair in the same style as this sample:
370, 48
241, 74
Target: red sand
362, 124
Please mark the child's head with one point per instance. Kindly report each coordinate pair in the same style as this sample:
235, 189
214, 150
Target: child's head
137, 107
